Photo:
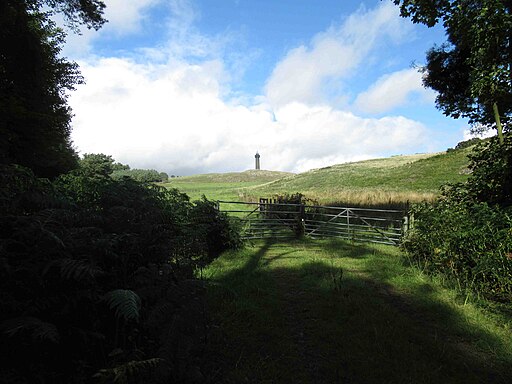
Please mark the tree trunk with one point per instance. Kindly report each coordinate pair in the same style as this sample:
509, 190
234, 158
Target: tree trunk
499, 127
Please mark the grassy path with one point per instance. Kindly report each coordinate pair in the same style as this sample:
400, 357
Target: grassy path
334, 312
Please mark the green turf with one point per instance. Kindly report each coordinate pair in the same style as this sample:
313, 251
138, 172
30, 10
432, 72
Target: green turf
223, 186
416, 177
336, 312
379, 181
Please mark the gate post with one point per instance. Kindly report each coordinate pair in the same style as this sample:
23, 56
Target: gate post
348, 221
301, 222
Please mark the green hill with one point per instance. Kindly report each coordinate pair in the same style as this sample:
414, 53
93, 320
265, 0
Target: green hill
252, 175
223, 186
379, 181
394, 179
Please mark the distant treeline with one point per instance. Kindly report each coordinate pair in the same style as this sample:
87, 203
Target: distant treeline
118, 170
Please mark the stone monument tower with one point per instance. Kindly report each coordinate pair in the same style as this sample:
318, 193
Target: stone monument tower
257, 157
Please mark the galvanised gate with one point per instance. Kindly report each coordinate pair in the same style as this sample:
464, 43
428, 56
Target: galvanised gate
270, 219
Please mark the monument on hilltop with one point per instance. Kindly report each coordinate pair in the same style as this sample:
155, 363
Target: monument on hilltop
257, 157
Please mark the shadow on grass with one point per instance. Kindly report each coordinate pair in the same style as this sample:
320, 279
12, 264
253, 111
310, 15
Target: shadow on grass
325, 312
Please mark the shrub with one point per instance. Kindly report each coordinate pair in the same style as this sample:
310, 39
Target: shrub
142, 175
469, 243
96, 278
467, 234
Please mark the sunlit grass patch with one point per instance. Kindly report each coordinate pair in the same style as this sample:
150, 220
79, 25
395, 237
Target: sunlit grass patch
333, 311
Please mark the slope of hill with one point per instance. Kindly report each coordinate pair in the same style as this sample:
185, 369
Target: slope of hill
223, 186
394, 179
252, 175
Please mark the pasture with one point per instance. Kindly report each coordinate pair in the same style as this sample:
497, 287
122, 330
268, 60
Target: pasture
334, 311
386, 181
338, 312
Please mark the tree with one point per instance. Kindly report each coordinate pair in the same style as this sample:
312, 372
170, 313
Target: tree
34, 81
472, 71
97, 165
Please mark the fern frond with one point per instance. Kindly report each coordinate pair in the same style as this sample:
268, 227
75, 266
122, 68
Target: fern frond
124, 372
72, 269
125, 302
36, 328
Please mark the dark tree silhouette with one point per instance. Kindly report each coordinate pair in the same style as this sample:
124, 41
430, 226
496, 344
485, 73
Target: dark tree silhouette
34, 81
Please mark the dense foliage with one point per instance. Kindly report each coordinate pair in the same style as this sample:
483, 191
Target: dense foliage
143, 175
97, 278
465, 144
34, 116
96, 274
467, 234
103, 165
471, 72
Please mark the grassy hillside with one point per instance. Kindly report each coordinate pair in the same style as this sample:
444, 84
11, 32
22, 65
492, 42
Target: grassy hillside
379, 181
223, 186
394, 179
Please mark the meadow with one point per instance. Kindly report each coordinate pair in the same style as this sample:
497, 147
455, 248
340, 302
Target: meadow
335, 311
332, 311
223, 186
396, 179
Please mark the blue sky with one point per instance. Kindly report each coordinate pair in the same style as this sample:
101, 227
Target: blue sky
196, 86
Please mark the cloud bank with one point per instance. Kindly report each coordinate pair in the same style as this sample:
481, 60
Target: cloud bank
393, 90
167, 111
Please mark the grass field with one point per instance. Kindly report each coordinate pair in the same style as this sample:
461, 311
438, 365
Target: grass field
337, 312
223, 186
400, 178
396, 179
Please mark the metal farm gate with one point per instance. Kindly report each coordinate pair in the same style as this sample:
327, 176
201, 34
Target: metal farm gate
270, 219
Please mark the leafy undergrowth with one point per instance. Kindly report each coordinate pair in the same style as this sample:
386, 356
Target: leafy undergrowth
336, 312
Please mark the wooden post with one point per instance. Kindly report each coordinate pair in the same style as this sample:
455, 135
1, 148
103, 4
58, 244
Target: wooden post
301, 221
348, 221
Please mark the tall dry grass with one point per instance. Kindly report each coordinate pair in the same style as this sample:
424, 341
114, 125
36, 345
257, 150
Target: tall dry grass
356, 197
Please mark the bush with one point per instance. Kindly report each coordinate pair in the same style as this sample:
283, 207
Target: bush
491, 178
142, 175
96, 278
467, 234
472, 244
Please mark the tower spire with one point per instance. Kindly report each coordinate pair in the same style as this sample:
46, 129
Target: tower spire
257, 157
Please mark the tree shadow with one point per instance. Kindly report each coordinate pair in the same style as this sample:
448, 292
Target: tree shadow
314, 322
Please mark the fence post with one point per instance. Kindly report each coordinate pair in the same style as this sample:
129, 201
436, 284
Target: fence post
348, 221
301, 222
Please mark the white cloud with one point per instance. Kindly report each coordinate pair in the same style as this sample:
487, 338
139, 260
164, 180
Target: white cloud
124, 18
332, 55
166, 111
172, 117
393, 90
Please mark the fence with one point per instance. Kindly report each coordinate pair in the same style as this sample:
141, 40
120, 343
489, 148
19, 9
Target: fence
269, 219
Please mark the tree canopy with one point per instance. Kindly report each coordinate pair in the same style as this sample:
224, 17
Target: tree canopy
472, 71
34, 82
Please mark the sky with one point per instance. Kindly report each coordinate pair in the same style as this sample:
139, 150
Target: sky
198, 86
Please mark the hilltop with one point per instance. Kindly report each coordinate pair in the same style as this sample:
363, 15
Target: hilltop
252, 175
397, 178
394, 179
